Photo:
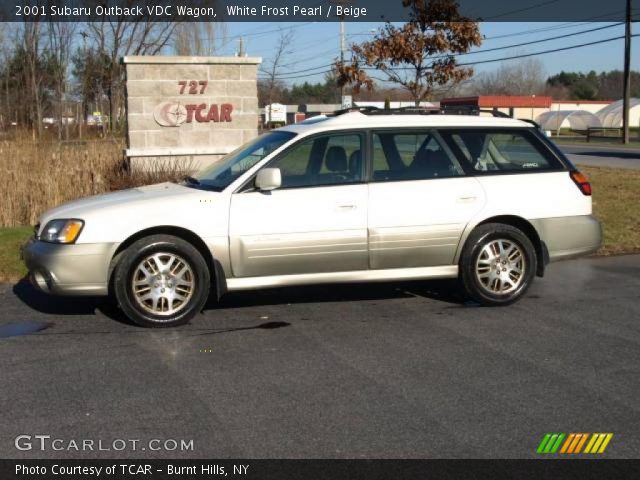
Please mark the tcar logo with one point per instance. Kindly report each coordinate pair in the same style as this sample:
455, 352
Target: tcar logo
173, 114
169, 114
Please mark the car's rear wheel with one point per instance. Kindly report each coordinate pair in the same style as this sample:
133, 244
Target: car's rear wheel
498, 264
161, 281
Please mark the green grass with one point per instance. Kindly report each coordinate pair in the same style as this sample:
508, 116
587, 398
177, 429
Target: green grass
11, 240
616, 202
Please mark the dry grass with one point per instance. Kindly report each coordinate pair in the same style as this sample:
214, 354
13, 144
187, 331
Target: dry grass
37, 176
616, 202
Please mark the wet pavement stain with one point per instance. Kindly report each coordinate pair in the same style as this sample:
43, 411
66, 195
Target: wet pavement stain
23, 328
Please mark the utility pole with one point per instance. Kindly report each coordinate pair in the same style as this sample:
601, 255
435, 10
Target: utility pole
343, 40
342, 50
627, 75
241, 48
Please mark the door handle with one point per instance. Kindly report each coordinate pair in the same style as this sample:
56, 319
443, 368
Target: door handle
346, 207
467, 198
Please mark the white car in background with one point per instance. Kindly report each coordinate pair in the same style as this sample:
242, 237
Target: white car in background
355, 197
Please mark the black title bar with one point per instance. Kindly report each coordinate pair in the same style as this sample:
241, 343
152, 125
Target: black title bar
595, 469
306, 10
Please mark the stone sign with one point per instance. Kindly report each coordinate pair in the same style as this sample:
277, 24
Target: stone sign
191, 110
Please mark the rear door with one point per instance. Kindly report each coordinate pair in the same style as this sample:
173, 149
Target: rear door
420, 200
522, 175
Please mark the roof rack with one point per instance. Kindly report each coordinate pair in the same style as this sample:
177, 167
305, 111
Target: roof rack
412, 110
364, 110
472, 110
532, 122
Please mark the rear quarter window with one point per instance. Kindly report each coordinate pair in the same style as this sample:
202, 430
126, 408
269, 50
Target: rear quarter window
500, 150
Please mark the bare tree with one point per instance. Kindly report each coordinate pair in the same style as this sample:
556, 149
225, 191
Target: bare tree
519, 77
60, 43
198, 38
5, 47
122, 36
272, 67
31, 36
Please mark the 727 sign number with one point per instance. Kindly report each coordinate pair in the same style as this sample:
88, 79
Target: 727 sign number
193, 86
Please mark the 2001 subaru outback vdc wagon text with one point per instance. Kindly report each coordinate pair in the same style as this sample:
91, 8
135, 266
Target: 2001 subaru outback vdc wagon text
346, 198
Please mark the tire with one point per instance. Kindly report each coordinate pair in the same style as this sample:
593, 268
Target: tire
498, 264
172, 281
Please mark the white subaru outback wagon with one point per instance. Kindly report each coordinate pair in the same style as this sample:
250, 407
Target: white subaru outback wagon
353, 197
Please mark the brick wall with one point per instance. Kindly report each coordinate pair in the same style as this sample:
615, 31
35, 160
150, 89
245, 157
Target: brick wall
162, 121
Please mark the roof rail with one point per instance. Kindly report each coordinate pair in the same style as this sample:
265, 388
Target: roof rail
472, 110
355, 109
412, 110
532, 122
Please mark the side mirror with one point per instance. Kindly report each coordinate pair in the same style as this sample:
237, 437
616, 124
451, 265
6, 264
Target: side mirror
268, 179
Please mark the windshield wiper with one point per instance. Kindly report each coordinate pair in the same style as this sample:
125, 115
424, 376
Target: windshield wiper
199, 185
192, 180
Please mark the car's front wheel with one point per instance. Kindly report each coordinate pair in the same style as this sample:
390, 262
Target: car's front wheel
161, 281
498, 264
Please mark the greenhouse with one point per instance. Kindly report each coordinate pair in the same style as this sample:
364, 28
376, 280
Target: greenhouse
577, 120
611, 115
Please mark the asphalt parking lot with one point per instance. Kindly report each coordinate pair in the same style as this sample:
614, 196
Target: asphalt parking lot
356, 371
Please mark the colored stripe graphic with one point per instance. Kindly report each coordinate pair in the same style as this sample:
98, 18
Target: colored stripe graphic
598, 442
556, 446
550, 443
567, 443
577, 437
573, 443
543, 443
581, 443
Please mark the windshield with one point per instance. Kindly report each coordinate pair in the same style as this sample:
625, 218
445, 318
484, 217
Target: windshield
224, 172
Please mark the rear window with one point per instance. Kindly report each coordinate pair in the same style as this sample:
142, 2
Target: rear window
500, 150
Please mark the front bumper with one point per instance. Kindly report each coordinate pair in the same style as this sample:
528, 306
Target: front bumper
79, 269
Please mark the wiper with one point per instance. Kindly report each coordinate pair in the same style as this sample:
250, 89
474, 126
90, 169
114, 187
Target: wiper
192, 180
202, 186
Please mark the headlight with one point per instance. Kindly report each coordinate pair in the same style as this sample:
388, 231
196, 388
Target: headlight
62, 231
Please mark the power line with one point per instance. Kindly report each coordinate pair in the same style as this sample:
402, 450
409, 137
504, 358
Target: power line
540, 40
513, 57
545, 51
319, 67
540, 30
265, 32
585, 21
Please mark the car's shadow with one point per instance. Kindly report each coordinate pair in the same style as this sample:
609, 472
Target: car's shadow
446, 291
66, 306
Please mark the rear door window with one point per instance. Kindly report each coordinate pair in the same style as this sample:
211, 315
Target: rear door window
495, 151
411, 156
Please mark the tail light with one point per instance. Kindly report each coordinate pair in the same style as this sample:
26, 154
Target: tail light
581, 180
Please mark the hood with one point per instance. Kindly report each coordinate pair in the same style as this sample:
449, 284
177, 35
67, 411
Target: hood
129, 199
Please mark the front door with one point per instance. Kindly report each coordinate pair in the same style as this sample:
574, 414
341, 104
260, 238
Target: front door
419, 200
315, 222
